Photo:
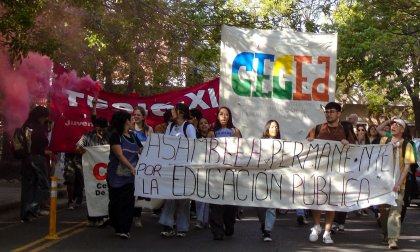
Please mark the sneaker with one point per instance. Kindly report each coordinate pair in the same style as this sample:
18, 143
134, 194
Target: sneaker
25, 220
43, 213
301, 220
393, 245
99, 223
341, 228
168, 232
124, 235
315, 232
137, 222
70, 207
199, 225
326, 238
91, 223
104, 222
181, 234
267, 237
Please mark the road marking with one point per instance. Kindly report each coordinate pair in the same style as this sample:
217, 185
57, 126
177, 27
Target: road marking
52, 242
61, 233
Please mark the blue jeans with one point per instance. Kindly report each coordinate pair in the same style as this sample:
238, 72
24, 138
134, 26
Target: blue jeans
267, 217
202, 212
182, 209
300, 212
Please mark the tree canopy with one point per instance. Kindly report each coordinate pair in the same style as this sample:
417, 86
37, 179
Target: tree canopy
153, 45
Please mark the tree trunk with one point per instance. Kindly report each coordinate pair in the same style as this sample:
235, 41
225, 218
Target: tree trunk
416, 108
107, 71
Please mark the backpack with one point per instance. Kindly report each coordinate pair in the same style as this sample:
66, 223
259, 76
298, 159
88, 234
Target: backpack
20, 144
184, 128
411, 184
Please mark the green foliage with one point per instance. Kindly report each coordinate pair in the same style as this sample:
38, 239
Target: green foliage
379, 46
16, 21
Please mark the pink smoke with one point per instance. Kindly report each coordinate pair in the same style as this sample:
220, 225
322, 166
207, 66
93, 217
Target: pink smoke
71, 81
20, 87
15, 101
36, 69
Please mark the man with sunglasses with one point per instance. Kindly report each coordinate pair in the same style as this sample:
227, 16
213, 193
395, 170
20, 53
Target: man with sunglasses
331, 130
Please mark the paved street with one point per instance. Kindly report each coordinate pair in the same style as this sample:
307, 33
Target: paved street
361, 234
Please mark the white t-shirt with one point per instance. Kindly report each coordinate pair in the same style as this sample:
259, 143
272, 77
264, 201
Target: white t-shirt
179, 130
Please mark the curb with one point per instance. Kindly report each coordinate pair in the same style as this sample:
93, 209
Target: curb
15, 205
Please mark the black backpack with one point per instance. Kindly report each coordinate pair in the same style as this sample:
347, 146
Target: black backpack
20, 143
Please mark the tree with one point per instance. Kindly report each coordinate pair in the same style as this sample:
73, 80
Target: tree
379, 49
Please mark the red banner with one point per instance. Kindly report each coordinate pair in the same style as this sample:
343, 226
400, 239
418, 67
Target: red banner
71, 110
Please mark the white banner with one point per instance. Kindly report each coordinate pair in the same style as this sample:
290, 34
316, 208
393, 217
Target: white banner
323, 175
252, 172
281, 75
95, 163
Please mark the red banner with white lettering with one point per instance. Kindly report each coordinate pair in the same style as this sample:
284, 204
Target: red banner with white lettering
71, 109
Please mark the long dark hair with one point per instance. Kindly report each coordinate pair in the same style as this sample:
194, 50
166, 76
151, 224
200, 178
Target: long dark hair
36, 113
371, 127
181, 107
229, 125
118, 121
267, 128
367, 140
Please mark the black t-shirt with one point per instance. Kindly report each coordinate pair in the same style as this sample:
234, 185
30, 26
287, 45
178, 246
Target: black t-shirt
39, 138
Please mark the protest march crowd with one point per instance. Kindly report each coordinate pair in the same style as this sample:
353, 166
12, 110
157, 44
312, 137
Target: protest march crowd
125, 133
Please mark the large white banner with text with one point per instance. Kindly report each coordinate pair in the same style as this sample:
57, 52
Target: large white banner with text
281, 75
321, 175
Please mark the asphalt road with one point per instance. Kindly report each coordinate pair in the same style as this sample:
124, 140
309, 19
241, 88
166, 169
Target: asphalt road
361, 234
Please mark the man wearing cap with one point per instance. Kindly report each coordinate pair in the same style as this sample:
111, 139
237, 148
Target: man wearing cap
391, 215
331, 130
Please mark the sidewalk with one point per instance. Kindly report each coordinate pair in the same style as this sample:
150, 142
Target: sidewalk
10, 195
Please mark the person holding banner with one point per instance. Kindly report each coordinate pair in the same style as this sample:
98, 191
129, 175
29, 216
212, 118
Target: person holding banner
142, 131
95, 137
373, 134
123, 157
201, 208
404, 153
331, 130
267, 216
222, 217
177, 212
